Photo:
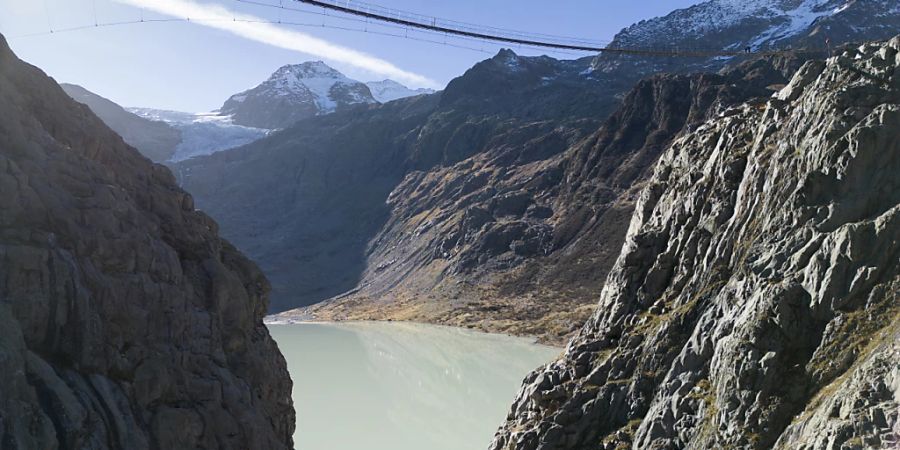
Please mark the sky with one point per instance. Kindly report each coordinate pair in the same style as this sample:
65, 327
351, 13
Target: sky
196, 65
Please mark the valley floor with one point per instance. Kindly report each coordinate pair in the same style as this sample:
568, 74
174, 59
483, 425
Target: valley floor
542, 314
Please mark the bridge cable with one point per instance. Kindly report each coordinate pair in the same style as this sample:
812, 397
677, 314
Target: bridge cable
497, 37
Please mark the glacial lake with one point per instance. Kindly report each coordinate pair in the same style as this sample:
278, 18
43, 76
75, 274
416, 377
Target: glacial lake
402, 386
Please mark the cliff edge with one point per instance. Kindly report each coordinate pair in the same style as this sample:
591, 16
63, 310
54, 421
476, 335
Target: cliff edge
125, 321
755, 302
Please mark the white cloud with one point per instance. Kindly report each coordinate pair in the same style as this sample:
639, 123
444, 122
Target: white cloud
248, 26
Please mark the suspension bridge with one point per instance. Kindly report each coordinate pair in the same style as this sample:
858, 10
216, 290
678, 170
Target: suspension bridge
431, 29
386, 15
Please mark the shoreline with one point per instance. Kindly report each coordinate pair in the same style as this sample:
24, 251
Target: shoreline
534, 340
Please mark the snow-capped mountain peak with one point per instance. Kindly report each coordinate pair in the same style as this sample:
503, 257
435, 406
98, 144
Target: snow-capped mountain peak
771, 20
295, 92
298, 91
388, 90
312, 81
309, 69
720, 14
328, 87
759, 25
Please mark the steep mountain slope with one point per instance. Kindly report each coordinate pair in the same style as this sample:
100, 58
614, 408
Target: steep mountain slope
389, 90
318, 189
295, 92
304, 201
519, 238
450, 208
125, 321
755, 303
154, 139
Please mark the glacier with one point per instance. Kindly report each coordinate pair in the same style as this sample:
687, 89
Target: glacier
202, 133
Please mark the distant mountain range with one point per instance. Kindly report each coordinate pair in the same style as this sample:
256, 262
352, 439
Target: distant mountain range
511, 117
295, 92
763, 24
447, 207
292, 93
167, 136
155, 139
758, 24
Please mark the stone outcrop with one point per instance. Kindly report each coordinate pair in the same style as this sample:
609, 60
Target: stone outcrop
756, 301
125, 321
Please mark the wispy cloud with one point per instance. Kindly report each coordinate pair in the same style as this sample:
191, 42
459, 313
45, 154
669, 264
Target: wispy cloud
249, 27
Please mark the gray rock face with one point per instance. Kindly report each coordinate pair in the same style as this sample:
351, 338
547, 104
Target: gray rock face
755, 302
125, 321
154, 139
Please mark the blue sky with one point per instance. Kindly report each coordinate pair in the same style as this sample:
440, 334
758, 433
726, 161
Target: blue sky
195, 66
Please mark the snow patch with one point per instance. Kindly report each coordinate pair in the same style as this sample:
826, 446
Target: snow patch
841, 8
513, 63
797, 20
388, 90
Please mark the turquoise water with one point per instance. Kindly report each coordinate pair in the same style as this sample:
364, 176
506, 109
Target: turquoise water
400, 386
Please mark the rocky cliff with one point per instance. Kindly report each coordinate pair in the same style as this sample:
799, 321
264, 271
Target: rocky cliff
125, 321
755, 302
